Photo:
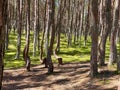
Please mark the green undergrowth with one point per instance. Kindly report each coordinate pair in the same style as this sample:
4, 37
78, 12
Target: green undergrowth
75, 53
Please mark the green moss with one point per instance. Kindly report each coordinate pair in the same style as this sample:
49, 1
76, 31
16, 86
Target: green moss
75, 53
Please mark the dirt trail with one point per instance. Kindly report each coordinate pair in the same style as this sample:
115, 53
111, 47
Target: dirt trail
71, 76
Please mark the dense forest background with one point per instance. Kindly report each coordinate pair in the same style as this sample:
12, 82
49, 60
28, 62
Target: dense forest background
60, 31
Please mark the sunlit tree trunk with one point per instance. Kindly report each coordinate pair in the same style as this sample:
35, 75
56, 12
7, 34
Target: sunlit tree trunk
59, 25
19, 27
35, 27
26, 48
105, 31
118, 40
50, 6
113, 49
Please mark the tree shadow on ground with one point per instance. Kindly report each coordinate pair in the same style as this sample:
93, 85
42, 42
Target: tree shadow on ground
107, 74
64, 75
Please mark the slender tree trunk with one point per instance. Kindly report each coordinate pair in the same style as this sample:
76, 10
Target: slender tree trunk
69, 24
6, 37
50, 68
26, 48
19, 25
50, 5
43, 33
38, 26
87, 25
105, 33
81, 21
113, 49
3, 8
47, 27
94, 36
7, 29
118, 40
35, 28
59, 27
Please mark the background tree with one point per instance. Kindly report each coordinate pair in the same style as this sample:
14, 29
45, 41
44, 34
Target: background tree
19, 28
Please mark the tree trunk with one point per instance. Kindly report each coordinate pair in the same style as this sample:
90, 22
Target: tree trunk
94, 37
19, 25
113, 49
26, 57
87, 25
3, 8
118, 40
105, 32
35, 28
60, 16
50, 48
47, 26
7, 29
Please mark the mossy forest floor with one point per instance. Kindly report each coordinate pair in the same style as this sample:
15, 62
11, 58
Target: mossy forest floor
70, 76
73, 75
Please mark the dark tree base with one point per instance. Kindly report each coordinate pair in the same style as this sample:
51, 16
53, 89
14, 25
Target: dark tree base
45, 62
28, 64
60, 62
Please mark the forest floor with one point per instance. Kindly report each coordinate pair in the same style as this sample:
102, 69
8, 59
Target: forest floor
70, 76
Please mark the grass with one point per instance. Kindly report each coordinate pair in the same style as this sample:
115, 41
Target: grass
75, 53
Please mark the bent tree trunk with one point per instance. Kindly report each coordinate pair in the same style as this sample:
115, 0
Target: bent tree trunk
3, 6
26, 49
105, 33
26, 58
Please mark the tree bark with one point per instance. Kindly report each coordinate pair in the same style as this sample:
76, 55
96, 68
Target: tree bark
19, 25
35, 27
94, 36
50, 48
113, 49
26, 57
3, 8
105, 32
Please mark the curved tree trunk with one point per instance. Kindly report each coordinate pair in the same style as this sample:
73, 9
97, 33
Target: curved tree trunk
26, 49
59, 24
105, 32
